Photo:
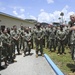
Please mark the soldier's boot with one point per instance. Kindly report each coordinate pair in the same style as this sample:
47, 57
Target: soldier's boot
36, 55
13, 60
29, 51
5, 60
42, 55
18, 52
6, 64
24, 53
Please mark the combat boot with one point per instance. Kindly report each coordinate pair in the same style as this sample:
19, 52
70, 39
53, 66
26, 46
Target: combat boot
36, 55
42, 55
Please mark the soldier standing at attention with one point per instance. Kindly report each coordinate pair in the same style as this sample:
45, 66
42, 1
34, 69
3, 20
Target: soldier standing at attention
31, 31
21, 30
39, 39
15, 37
52, 39
43, 28
27, 42
47, 35
6, 43
61, 36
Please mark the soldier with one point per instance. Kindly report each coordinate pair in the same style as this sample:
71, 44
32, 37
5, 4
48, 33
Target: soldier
0, 49
72, 34
27, 42
32, 33
39, 39
21, 31
52, 39
6, 43
34, 29
47, 35
44, 31
15, 38
61, 35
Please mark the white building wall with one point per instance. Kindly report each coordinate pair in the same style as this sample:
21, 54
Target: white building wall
9, 22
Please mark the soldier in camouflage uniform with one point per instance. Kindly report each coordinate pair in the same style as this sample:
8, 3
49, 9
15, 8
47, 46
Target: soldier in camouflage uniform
32, 34
39, 39
6, 45
44, 31
15, 38
21, 31
52, 39
61, 35
27, 42
72, 34
47, 36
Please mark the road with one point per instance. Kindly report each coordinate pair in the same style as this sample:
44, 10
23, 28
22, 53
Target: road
29, 65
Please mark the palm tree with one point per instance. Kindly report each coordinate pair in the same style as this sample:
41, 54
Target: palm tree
62, 14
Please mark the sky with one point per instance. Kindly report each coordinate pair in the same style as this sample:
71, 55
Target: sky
41, 10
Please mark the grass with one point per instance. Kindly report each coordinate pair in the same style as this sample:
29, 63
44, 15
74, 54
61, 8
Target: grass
64, 62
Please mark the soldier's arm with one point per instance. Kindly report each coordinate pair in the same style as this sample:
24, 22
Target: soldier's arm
42, 35
64, 37
72, 28
57, 36
35, 36
1, 44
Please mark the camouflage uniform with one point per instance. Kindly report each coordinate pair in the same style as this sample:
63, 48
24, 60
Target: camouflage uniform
47, 36
61, 35
32, 36
21, 31
6, 44
44, 31
72, 41
15, 39
27, 42
52, 39
39, 40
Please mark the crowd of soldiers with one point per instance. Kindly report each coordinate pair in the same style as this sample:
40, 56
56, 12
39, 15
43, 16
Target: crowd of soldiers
24, 39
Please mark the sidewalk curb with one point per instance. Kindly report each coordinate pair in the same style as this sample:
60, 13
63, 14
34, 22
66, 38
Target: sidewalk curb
52, 64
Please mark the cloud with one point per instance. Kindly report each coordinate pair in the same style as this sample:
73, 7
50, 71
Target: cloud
14, 12
43, 16
21, 16
50, 1
50, 17
32, 17
22, 10
42, 10
19, 12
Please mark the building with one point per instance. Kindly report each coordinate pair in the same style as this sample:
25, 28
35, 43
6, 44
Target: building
8, 21
56, 23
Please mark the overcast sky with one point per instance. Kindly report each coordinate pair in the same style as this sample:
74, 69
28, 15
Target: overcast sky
41, 10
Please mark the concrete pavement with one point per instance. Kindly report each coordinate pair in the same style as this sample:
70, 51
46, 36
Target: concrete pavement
29, 65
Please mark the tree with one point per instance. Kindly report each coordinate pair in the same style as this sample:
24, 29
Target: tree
62, 14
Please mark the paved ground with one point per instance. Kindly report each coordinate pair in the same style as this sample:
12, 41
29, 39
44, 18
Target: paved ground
29, 65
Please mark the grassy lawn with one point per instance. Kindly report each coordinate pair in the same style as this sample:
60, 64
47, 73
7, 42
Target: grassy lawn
64, 62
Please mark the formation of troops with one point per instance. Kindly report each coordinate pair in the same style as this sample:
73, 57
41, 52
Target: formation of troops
24, 39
